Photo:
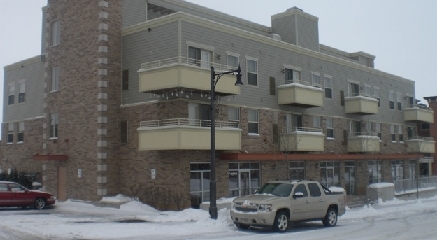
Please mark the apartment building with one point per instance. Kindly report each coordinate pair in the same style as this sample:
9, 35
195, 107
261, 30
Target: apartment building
119, 101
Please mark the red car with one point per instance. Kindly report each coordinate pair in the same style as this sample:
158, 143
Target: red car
14, 195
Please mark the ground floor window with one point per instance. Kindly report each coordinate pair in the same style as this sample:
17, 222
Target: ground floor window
412, 169
297, 170
397, 170
244, 178
200, 177
349, 178
375, 171
329, 173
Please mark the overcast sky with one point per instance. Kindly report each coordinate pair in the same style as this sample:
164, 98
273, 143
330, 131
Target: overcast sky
402, 34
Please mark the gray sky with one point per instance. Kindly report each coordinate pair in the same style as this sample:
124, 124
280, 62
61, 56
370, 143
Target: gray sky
402, 34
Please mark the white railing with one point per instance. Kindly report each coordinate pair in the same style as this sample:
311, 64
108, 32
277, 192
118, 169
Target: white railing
361, 95
188, 122
408, 185
306, 83
425, 139
185, 61
301, 129
369, 134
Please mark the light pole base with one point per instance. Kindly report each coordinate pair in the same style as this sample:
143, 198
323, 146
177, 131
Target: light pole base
213, 212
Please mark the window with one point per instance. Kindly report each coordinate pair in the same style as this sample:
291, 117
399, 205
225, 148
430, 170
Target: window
378, 129
199, 57
123, 131
425, 126
293, 122
20, 132
375, 171
125, 80
11, 95
368, 128
252, 72
367, 90
54, 121
292, 75
353, 89
10, 133
56, 33
232, 61
355, 127
399, 100
329, 128
328, 87
412, 169
314, 190
200, 177
401, 136
301, 188
253, 121
410, 102
315, 78
234, 115
55, 78
397, 170
391, 99
297, 170
410, 132
376, 94
392, 132
244, 178
330, 173
316, 122
22, 94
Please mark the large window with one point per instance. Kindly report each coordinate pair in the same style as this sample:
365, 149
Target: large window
397, 170
292, 75
378, 129
22, 94
252, 72
412, 169
330, 173
11, 93
367, 90
350, 178
328, 87
54, 121
56, 33
234, 115
355, 128
20, 132
315, 78
199, 57
10, 132
375, 171
317, 122
399, 101
253, 121
329, 128
55, 78
297, 170
200, 178
232, 60
244, 178
353, 89
391, 99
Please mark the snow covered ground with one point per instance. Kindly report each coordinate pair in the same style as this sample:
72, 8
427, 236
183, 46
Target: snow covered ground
78, 220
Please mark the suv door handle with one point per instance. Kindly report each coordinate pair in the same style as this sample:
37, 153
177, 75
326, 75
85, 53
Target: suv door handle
321, 200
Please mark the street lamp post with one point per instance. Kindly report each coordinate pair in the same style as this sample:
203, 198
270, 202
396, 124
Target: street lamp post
212, 185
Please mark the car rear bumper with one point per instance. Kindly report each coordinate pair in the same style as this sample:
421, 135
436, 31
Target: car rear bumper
253, 219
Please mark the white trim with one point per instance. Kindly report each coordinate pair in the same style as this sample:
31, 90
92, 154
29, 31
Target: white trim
233, 54
287, 66
251, 58
353, 81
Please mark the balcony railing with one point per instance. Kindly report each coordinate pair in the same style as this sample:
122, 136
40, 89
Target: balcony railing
286, 130
185, 73
172, 122
305, 83
187, 134
185, 61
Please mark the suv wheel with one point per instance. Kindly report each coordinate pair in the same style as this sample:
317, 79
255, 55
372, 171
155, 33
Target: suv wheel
281, 222
330, 220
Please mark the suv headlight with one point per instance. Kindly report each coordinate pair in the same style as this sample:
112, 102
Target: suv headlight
265, 207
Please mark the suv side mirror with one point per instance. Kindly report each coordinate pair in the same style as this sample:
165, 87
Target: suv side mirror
297, 195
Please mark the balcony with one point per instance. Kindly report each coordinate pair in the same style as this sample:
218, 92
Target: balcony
421, 145
187, 134
184, 73
301, 94
416, 114
363, 142
361, 105
302, 140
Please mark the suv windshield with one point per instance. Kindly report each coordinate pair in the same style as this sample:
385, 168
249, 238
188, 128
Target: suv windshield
277, 189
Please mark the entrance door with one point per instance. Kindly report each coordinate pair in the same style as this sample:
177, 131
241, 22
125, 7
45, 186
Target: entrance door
244, 180
62, 182
349, 178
